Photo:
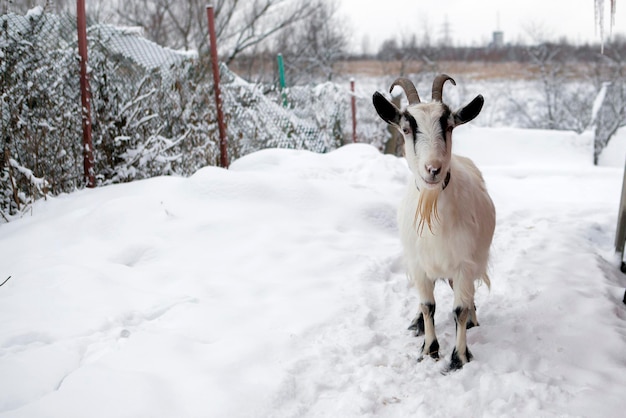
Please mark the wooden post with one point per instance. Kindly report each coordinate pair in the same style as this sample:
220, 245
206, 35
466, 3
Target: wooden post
353, 102
85, 97
216, 83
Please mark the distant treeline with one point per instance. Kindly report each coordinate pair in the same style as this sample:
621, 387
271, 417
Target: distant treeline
261, 65
392, 50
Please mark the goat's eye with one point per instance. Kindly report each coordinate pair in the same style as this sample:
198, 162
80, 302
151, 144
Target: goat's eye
406, 130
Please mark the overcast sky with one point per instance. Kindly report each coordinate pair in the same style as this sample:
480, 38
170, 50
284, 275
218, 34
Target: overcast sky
471, 22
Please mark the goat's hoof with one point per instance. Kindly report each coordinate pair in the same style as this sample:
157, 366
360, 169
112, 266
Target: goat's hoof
434, 356
432, 351
471, 324
417, 325
457, 361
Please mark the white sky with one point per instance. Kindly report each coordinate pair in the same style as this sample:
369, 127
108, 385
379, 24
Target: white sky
472, 22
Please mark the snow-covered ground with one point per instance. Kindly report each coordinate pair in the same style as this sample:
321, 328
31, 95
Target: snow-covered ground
277, 289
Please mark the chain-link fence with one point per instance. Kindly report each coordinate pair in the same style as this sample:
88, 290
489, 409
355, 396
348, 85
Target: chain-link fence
152, 110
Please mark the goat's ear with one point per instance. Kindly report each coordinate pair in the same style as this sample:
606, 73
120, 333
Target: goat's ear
470, 111
386, 110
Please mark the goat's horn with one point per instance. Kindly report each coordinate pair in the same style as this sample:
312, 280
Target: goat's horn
438, 86
409, 89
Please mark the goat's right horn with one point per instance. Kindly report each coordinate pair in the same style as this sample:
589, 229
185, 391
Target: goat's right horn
409, 89
438, 86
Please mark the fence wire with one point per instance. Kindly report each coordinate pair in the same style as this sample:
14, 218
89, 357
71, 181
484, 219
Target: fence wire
152, 110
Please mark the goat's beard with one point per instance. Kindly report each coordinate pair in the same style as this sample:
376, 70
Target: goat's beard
426, 211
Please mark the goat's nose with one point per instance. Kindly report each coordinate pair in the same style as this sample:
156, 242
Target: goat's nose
433, 170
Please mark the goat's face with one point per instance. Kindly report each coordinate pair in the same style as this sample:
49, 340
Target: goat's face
427, 130
427, 142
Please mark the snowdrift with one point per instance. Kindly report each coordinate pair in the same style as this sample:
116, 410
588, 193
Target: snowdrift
276, 289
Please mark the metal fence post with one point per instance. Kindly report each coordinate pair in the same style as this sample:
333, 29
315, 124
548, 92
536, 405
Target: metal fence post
216, 83
88, 159
353, 100
281, 77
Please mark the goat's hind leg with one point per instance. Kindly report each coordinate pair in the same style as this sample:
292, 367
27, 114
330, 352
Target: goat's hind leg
473, 319
417, 324
471, 322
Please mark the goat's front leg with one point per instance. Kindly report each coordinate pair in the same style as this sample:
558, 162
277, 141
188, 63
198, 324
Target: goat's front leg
463, 310
426, 288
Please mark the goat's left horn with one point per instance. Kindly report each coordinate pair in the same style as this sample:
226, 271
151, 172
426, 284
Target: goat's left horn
438, 86
409, 89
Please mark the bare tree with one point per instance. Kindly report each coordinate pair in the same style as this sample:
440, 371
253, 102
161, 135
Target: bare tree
612, 113
147, 14
98, 10
240, 24
22, 6
312, 48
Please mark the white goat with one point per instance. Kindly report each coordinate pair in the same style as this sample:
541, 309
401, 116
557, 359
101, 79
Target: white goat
446, 218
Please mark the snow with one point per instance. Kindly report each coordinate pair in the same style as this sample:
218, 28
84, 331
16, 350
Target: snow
35, 12
277, 289
597, 102
615, 151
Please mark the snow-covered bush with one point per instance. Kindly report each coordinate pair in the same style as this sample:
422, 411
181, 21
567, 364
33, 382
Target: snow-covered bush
611, 111
39, 104
154, 125
313, 117
153, 110
559, 98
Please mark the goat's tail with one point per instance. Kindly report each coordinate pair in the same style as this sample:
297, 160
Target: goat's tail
485, 279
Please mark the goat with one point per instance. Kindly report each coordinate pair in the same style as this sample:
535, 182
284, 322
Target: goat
447, 218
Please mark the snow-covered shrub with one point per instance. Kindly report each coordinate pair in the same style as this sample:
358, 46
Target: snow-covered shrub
157, 124
610, 114
153, 110
39, 106
312, 119
145, 122
556, 97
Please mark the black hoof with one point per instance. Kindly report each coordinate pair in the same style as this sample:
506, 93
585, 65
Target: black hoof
471, 324
432, 351
470, 320
456, 362
417, 325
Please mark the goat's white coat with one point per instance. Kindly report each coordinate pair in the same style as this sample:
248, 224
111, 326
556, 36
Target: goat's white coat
454, 243
457, 247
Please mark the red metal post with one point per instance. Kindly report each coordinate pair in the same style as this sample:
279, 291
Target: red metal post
88, 159
353, 100
216, 83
